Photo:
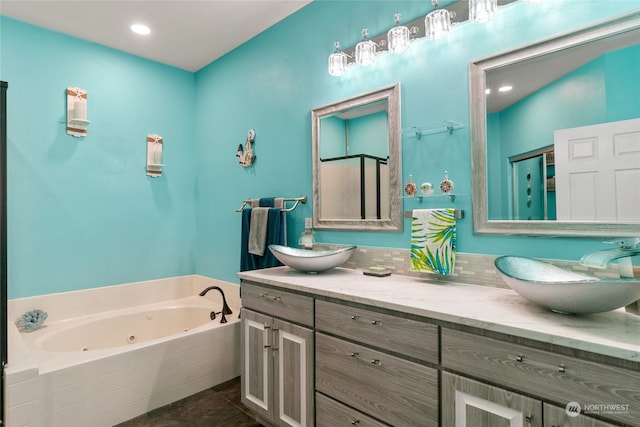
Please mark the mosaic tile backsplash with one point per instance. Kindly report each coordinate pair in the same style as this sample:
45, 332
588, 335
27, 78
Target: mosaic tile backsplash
473, 269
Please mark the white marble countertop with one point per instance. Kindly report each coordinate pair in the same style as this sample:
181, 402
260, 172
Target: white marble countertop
615, 333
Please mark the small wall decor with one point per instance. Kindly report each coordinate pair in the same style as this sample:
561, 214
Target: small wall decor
154, 155
410, 189
77, 112
246, 157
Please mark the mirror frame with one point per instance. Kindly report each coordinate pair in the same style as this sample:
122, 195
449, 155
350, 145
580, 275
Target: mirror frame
481, 224
392, 95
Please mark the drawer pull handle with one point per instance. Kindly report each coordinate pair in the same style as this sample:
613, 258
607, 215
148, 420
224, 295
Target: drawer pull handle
354, 317
275, 298
519, 358
267, 346
354, 354
375, 322
267, 326
264, 295
375, 361
561, 368
528, 418
354, 422
275, 348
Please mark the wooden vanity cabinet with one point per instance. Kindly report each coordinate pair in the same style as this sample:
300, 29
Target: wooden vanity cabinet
467, 403
370, 365
553, 378
277, 356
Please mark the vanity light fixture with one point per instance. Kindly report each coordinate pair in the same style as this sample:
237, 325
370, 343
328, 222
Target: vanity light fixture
399, 37
482, 10
437, 23
338, 61
366, 50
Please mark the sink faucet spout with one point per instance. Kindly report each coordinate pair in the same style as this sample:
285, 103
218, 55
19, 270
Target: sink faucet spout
602, 258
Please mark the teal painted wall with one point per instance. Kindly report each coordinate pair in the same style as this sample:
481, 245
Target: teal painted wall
272, 82
82, 213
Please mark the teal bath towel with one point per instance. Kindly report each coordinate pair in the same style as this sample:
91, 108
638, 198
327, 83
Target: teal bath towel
433, 240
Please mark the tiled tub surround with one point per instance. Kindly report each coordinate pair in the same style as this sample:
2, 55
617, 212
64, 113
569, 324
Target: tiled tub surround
105, 387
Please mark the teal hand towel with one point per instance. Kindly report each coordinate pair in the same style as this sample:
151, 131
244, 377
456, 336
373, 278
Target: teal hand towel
433, 240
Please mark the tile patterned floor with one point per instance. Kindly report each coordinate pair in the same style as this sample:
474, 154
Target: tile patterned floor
219, 406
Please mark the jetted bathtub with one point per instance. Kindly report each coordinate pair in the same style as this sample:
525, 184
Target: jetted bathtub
105, 368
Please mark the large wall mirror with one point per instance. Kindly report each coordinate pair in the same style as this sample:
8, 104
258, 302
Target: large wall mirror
357, 162
559, 153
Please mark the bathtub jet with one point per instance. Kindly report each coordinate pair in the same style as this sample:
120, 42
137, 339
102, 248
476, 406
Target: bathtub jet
225, 306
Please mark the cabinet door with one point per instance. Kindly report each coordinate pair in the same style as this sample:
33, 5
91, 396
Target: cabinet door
293, 373
555, 416
468, 403
257, 364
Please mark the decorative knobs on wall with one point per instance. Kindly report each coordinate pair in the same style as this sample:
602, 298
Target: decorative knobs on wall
77, 112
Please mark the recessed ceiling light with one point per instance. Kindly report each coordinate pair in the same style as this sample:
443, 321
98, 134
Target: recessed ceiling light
140, 29
505, 88
487, 91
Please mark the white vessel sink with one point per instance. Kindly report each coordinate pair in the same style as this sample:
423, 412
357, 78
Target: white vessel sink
565, 291
311, 260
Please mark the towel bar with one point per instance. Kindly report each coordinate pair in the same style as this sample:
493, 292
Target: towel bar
459, 214
296, 200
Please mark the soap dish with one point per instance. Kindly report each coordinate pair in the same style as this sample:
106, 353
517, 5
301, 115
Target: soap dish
376, 272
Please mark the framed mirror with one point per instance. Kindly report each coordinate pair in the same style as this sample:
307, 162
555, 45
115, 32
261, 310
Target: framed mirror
357, 162
559, 154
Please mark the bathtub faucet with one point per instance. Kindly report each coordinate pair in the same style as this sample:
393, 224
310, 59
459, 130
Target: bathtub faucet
225, 306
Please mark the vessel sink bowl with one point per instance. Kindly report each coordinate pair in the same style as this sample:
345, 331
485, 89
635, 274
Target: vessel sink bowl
565, 291
311, 260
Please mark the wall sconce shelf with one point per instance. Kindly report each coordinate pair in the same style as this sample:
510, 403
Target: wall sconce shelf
77, 122
448, 126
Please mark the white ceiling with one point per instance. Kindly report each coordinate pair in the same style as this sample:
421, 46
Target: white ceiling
186, 34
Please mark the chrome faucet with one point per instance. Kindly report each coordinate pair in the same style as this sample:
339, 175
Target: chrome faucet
225, 306
600, 259
626, 249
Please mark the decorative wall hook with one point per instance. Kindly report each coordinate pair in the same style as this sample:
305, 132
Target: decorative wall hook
77, 112
246, 157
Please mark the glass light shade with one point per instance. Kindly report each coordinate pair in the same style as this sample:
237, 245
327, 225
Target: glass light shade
399, 37
338, 62
437, 24
482, 10
365, 50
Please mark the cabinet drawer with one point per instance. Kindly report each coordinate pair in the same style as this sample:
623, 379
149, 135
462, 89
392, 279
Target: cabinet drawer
330, 413
559, 378
391, 389
293, 307
408, 337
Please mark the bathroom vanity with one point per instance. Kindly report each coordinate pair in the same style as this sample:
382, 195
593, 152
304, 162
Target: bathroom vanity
342, 349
